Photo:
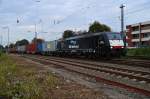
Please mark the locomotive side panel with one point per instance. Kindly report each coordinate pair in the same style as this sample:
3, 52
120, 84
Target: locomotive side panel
80, 45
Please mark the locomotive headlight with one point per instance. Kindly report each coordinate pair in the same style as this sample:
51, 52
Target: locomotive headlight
94, 51
111, 47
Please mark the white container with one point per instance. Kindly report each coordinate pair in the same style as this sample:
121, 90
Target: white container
21, 49
49, 46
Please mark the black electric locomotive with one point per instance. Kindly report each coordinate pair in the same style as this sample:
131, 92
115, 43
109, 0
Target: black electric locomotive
93, 44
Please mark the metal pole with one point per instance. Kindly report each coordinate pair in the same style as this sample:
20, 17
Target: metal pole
122, 23
41, 25
37, 1
122, 18
1, 42
8, 35
139, 34
8, 39
35, 32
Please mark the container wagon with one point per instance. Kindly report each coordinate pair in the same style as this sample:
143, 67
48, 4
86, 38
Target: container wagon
21, 49
49, 47
31, 48
12, 50
39, 48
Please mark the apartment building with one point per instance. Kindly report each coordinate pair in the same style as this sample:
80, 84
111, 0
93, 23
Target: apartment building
138, 35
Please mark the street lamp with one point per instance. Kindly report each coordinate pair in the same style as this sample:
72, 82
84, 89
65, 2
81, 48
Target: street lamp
6, 27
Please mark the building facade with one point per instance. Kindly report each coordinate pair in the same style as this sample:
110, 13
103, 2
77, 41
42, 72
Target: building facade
138, 35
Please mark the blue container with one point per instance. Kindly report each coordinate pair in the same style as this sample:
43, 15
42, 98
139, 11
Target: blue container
39, 48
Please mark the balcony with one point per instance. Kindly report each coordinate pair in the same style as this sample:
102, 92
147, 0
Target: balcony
143, 31
135, 40
142, 39
135, 32
146, 31
145, 39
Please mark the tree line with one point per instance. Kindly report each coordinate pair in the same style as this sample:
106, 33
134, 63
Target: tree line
93, 28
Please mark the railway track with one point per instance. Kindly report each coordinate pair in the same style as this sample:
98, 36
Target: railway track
97, 64
145, 63
133, 80
132, 62
129, 61
139, 57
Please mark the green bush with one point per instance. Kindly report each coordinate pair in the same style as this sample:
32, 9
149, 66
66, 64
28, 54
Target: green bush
1, 53
17, 82
139, 52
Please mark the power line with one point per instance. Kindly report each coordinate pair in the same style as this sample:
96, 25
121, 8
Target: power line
89, 6
124, 1
139, 5
55, 22
82, 9
137, 10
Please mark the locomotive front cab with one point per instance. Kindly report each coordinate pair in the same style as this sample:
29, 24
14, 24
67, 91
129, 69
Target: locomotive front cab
103, 48
116, 44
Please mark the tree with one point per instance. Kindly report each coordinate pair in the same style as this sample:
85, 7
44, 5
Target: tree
106, 28
1, 47
68, 33
98, 27
22, 42
11, 45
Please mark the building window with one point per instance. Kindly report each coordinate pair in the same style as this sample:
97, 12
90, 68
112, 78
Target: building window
145, 43
135, 36
146, 27
135, 28
145, 35
135, 44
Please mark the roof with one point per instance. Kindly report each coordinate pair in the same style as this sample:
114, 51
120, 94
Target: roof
88, 35
142, 23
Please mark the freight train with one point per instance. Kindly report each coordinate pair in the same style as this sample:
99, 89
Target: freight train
90, 45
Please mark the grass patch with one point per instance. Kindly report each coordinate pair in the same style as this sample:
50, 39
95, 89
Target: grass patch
145, 52
26, 83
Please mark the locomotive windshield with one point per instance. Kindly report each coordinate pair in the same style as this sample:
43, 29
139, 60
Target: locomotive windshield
114, 36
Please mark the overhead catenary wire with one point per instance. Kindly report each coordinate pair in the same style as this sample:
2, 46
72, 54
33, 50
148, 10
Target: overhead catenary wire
137, 10
84, 9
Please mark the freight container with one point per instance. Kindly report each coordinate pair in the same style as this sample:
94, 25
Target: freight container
21, 49
12, 50
50, 47
39, 48
32, 48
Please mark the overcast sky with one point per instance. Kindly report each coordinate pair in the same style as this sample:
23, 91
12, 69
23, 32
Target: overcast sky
55, 16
